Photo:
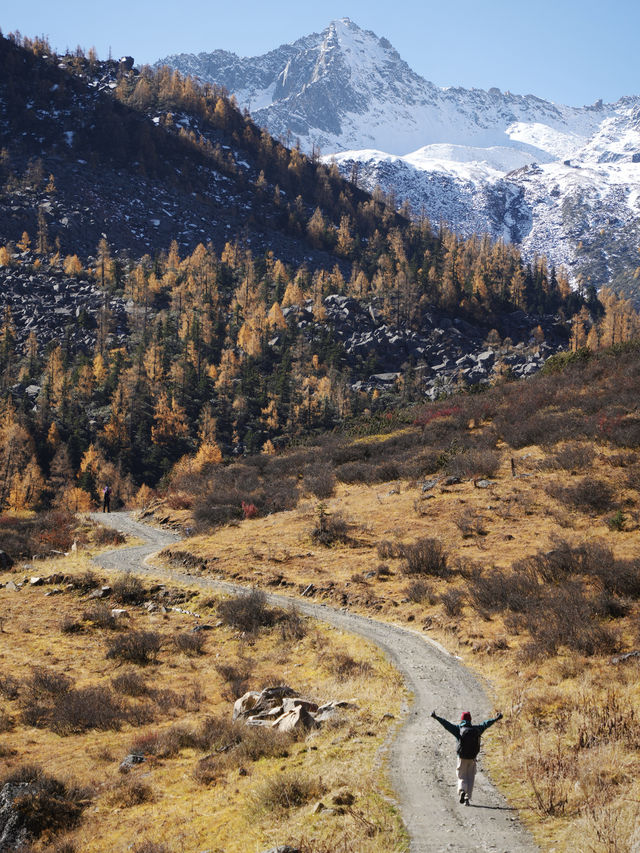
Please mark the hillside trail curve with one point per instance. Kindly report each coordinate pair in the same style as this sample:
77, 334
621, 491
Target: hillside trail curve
422, 755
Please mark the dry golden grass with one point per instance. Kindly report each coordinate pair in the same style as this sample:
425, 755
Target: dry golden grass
562, 786
161, 800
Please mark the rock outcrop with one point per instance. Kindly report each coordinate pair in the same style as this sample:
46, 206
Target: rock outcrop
283, 709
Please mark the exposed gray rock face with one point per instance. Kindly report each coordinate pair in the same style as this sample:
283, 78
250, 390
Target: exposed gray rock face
13, 832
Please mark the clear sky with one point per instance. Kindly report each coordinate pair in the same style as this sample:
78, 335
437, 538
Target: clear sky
568, 51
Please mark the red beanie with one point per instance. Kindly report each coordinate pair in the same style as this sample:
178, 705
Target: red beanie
466, 715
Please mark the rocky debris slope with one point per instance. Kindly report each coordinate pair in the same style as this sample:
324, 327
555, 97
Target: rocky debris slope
443, 354
57, 307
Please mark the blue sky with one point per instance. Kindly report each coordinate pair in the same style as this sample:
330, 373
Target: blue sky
568, 51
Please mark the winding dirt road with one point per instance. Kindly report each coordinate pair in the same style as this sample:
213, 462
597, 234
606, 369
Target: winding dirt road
422, 757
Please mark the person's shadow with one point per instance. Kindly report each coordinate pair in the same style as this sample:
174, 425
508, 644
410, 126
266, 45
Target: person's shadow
493, 808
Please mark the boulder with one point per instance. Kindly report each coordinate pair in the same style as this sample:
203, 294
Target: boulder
296, 718
100, 592
291, 703
483, 484
130, 761
486, 358
120, 613
13, 831
245, 704
329, 710
259, 705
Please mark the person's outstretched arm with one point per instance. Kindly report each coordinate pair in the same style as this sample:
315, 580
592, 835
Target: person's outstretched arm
485, 725
450, 727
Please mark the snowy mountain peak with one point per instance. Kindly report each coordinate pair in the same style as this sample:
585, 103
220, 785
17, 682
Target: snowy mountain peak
559, 180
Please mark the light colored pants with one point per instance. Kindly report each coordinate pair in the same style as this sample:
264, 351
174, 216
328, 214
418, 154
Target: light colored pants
466, 771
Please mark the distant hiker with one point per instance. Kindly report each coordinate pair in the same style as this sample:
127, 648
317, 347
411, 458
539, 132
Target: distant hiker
106, 499
468, 737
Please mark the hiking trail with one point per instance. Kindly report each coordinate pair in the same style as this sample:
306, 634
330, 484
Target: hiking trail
422, 758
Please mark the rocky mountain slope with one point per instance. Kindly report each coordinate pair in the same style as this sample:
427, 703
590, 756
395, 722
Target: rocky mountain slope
139, 159
555, 179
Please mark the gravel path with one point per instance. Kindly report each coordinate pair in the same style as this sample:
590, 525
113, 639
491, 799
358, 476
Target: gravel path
422, 757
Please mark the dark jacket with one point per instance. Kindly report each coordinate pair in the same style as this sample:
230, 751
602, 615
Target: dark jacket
455, 729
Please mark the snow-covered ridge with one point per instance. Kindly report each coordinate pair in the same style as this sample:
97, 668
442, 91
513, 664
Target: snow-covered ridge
549, 176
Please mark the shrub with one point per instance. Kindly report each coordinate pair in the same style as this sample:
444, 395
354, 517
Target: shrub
495, 591
475, 463
233, 744
287, 790
100, 616
632, 480
625, 432
108, 536
54, 532
179, 500
132, 792
9, 687
356, 472
86, 581
50, 700
247, 611
453, 601
426, 462
565, 617
87, 708
190, 642
45, 683
573, 457
7, 722
426, 556
139, 647
130, 683
620, 577
549, 777
219, 734
45, 805
292, 624
587, 495
211, 515
330, 529
616, 522
146, 744
469, 524
129, 589
249, 510
69, 625
389, 550
319, 480
167, 743
420, 591
344, 666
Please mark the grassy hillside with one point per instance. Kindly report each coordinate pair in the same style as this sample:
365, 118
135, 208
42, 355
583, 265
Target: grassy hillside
504, 524
81, 689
